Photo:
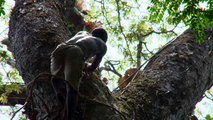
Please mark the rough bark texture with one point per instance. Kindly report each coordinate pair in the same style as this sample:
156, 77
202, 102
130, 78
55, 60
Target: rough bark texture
168, 88
36, 28
173, 81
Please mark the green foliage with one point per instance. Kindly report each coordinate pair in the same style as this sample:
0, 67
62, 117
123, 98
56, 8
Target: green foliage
124, 21
197, 14
9, 78
1, 7
13, 87
208, 117
22, 118
3, 98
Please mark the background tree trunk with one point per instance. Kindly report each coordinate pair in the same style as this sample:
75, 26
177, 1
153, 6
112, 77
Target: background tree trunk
168, 88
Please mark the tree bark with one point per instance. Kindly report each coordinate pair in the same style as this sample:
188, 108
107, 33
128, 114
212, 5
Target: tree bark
173, 81
168, 88
36, 27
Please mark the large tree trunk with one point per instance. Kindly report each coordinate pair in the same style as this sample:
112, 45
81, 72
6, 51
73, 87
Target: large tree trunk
168, 88
173, 81
35, 30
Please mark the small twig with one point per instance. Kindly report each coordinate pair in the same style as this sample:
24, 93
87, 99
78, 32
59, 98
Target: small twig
18, 110
7, 75
121, 29
98, 1
4, 31
32, 83
208, 97
112, 68
104, 12
211, 95
145, 44
108, 66
162, 32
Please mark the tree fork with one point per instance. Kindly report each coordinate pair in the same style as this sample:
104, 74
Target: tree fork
36, 28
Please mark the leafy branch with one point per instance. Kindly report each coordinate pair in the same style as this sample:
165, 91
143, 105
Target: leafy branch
121, 30
161, 32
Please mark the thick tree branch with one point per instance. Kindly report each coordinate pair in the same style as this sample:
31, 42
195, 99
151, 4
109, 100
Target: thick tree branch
173, 81
36, 28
